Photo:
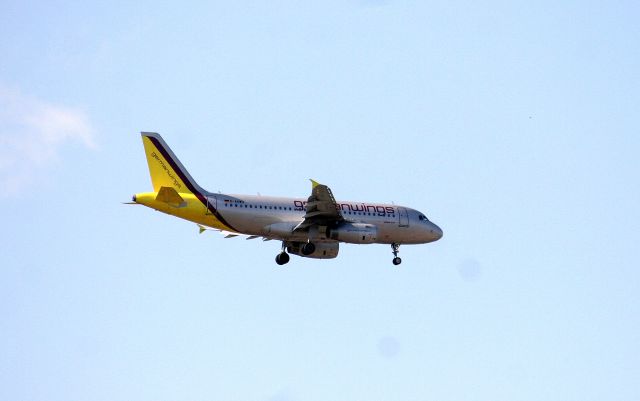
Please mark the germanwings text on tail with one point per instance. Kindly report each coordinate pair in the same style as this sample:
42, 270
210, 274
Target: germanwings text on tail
311, 228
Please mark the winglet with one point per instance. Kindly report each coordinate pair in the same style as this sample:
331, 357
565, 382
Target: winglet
313, 183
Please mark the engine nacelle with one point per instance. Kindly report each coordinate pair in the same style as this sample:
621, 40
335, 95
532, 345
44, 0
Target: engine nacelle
354, 233
324, 250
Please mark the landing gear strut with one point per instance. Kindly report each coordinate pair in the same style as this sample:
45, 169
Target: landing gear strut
395, 248
283, 257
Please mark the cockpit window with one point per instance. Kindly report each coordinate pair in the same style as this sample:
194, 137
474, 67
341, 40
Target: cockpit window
422, 217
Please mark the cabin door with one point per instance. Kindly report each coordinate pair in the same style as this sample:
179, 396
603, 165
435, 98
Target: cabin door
403, 216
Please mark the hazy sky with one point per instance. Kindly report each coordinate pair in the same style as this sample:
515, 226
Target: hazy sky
512, 125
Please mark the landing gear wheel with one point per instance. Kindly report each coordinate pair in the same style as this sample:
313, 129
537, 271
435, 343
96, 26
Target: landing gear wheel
395, 248
282, 258
308, 248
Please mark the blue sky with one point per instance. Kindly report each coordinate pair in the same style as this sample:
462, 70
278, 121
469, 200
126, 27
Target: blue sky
512, 125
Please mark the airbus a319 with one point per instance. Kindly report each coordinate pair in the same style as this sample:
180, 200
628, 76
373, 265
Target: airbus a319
311, 227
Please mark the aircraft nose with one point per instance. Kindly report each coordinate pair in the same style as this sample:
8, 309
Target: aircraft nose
436, 231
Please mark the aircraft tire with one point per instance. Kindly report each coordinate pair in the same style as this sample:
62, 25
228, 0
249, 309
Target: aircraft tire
282, 258
397, 261
308, 248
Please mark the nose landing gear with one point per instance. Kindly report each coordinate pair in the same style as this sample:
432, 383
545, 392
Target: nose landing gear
395, 248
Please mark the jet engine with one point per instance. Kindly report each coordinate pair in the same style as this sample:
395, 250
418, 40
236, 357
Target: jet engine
354, 233
322, 250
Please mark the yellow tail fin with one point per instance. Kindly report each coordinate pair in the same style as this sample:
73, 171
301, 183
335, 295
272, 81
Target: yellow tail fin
165, 168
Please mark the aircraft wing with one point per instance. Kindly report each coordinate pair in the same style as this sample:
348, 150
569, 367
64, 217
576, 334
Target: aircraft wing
322, 208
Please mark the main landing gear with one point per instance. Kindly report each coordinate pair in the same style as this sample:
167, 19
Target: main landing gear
283, 257
308, 248
395, 248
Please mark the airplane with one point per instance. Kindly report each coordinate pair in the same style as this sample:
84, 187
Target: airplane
312, 227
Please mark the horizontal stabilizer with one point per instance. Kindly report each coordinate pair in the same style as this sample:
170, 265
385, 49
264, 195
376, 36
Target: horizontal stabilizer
170, 196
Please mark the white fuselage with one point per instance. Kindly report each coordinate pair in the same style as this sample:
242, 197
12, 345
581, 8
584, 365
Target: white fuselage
277, 216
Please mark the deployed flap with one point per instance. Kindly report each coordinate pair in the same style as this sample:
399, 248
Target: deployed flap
322, 208
170, 195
